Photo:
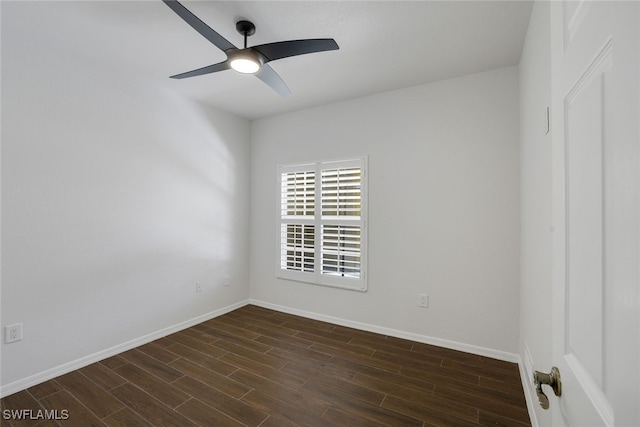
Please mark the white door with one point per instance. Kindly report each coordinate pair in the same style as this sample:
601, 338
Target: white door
595, 124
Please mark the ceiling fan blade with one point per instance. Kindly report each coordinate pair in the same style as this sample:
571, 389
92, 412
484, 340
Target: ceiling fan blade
279, 50
221, 66
199, 26
270, 77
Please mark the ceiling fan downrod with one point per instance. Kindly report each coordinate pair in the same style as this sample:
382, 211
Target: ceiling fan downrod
245, 28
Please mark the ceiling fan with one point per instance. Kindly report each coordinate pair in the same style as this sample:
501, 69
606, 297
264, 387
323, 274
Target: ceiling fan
249, 60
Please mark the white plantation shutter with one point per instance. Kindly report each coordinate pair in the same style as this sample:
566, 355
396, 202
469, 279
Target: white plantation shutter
341, 250
341, 192
298, 194
297, 247
322, 223
297, 219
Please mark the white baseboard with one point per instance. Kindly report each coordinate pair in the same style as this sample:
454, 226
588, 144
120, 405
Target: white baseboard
65, 368
454, 345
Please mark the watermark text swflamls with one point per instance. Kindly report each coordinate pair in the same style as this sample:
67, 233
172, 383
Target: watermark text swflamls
35, 414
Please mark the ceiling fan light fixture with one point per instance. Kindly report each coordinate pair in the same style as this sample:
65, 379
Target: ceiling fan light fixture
246, 62
245, 65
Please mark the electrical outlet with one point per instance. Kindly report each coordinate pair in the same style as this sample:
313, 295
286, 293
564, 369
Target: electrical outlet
13, 333
423, 300
198, 287
226, 281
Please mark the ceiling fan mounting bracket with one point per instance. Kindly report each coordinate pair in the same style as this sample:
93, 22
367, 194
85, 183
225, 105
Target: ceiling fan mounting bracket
245, 28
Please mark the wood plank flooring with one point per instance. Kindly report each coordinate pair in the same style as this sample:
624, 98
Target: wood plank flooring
258, 367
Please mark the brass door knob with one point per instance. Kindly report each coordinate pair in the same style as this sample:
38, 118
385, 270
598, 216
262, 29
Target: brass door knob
551, 379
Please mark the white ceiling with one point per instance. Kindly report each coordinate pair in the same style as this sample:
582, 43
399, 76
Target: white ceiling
384, 45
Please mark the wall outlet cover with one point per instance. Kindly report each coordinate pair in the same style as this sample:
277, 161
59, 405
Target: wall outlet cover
13, 333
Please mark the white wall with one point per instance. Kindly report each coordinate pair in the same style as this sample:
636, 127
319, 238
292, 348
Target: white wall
443, 207
536, 192
117, 197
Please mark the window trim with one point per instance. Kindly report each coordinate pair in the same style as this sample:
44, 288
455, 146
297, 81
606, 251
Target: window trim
317, 277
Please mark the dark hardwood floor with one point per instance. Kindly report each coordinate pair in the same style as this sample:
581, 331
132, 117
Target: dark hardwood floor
258, 367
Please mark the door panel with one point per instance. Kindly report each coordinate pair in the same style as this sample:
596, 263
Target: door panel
583, 349
595, 80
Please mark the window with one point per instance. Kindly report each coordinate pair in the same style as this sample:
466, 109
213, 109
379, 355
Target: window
322, 236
